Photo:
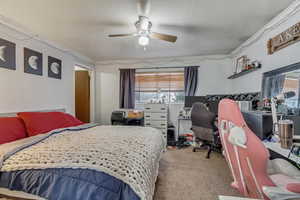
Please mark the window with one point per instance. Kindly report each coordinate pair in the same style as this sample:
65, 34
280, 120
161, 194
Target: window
164, 86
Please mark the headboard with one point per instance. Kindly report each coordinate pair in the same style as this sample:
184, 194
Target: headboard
14, 114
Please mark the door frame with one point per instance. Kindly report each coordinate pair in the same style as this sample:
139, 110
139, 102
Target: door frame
92, 89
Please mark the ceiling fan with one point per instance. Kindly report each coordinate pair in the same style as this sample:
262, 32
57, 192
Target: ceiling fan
143, 27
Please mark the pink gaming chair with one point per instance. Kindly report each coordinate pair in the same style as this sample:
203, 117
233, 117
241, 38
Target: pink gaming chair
254, 175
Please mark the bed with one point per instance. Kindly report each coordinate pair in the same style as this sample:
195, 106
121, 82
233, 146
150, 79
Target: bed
86, 161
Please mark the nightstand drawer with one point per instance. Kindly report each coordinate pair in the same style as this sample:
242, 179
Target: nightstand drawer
156, 108
155, 116
157, 124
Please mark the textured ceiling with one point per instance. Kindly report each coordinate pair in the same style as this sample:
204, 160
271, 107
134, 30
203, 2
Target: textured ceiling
203, 26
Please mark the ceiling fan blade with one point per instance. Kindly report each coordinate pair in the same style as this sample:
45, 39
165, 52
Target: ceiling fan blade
122, 35
165, 37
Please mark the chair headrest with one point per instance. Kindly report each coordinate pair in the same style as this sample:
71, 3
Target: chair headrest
237, 137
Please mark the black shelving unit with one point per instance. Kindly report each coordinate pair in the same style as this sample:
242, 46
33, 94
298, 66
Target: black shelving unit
242, 73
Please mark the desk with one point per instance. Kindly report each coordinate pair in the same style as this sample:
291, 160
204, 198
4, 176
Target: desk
179, 119
275, 148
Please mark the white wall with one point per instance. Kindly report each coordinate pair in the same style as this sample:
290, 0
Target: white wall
213, 77
107, 95
20, 91
258, 50
213, 73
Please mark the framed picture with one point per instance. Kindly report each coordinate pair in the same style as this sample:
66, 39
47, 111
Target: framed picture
240, 64
33, 62
54, 67
7, 54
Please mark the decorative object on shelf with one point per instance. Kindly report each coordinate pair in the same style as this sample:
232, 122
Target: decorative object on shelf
54, 67
284, 39
256, 64
7, 54
244, 66
240, 64
33, 62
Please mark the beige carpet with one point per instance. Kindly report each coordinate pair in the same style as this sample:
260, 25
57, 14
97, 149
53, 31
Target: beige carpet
185, 175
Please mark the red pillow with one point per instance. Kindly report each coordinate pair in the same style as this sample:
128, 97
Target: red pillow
43, 122
11, 129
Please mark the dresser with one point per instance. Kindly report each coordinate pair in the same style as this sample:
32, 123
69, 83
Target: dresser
156, 116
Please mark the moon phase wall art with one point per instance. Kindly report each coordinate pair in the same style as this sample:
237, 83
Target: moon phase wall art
54, 67
33, 62
7, 54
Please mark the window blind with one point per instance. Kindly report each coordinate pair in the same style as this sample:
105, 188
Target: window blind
159, 81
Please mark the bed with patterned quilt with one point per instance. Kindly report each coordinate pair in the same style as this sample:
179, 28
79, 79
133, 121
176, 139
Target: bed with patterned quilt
86, 161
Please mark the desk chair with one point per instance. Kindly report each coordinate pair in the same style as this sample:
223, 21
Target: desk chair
204, 128
254, 175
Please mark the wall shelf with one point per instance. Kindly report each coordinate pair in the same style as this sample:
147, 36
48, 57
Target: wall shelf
242, 73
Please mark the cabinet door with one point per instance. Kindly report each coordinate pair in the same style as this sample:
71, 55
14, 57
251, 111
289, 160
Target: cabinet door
82, 95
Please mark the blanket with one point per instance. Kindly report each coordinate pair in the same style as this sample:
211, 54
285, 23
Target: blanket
130, 154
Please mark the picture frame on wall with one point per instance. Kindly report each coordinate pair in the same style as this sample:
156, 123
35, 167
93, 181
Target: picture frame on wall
7, 54
240, 64
54, 67
33, 62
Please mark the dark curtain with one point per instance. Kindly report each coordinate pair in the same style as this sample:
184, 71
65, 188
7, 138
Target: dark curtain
127, 87
190, 80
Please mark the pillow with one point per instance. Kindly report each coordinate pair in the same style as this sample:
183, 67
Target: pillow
11, 129
43, 122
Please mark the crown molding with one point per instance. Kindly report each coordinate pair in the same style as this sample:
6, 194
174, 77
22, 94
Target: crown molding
21, 33
290, 11
162, 62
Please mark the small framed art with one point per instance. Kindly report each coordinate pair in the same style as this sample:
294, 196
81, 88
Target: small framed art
54, 67
33, 62
7, 54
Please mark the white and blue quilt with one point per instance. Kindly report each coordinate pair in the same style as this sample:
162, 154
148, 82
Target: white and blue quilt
85, 162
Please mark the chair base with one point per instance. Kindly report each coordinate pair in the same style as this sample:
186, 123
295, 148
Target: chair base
209, 147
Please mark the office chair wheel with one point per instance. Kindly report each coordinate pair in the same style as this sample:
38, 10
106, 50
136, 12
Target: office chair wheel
208, 153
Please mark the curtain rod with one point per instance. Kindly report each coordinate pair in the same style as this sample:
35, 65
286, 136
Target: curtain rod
157, 68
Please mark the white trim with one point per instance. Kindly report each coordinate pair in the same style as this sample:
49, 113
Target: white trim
161, 62
223, 131
254, 177
240, 170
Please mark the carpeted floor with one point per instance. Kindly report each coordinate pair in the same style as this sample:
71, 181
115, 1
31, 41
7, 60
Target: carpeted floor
187, 175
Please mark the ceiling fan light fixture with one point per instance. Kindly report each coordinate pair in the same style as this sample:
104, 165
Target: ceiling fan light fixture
143, 40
